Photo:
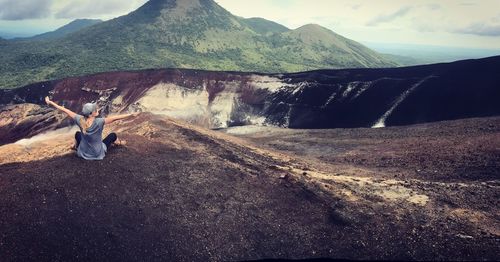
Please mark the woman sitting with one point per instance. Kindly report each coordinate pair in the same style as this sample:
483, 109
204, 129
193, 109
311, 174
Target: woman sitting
89, 142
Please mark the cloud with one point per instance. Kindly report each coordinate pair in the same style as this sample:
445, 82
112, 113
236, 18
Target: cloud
24, 9
389, 17
356, 6
481, 29
94, 8
434, 7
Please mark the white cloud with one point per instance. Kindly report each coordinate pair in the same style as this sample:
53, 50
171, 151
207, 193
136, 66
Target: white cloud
482, 29
389, 17
446, 22
426, 22
24, 9
94, 8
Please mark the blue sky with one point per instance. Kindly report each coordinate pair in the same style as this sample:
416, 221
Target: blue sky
458, 23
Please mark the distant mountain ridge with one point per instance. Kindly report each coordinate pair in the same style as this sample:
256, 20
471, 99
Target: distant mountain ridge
196, 34
263, 26
73, 26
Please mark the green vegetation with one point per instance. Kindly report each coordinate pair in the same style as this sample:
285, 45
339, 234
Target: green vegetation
263, 26
204, 37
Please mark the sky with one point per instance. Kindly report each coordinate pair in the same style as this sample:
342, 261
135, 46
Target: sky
455, 23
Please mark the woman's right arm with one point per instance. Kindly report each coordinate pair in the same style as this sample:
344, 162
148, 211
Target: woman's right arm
70, 113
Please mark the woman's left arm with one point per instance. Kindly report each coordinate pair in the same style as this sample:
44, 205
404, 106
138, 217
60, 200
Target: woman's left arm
61, 108
111, 119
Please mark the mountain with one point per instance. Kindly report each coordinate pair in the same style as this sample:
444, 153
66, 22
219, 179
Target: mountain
428, 54
319, 43
317, 99
263, 26
7, 35
407, 60
183, 34
73, 26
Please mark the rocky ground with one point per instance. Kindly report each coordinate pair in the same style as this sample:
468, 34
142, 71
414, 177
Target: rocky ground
180, 192
448, 151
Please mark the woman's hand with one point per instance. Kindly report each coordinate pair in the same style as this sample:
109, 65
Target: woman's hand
70, 113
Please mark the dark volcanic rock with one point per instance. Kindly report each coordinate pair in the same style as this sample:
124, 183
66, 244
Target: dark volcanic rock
316, 99
25, 120
395, 96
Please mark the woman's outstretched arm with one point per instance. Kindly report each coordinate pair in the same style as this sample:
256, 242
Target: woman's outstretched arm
111, 119
70, 113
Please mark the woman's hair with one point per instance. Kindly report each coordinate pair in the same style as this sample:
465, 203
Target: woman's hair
87, 110
83, 124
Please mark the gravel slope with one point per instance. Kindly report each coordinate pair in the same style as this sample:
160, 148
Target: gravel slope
180, 192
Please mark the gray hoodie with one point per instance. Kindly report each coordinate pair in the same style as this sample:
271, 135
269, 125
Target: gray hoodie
91, 147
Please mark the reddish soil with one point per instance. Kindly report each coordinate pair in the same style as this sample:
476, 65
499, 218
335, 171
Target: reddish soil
180, 192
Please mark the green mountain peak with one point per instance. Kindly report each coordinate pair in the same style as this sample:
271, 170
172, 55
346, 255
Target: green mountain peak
197, 34
313, 33
169, 10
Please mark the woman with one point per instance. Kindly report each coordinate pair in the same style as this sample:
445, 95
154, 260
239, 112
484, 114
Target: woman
89, 143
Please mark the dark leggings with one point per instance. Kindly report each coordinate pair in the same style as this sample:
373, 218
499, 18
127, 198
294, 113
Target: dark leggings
108, 140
